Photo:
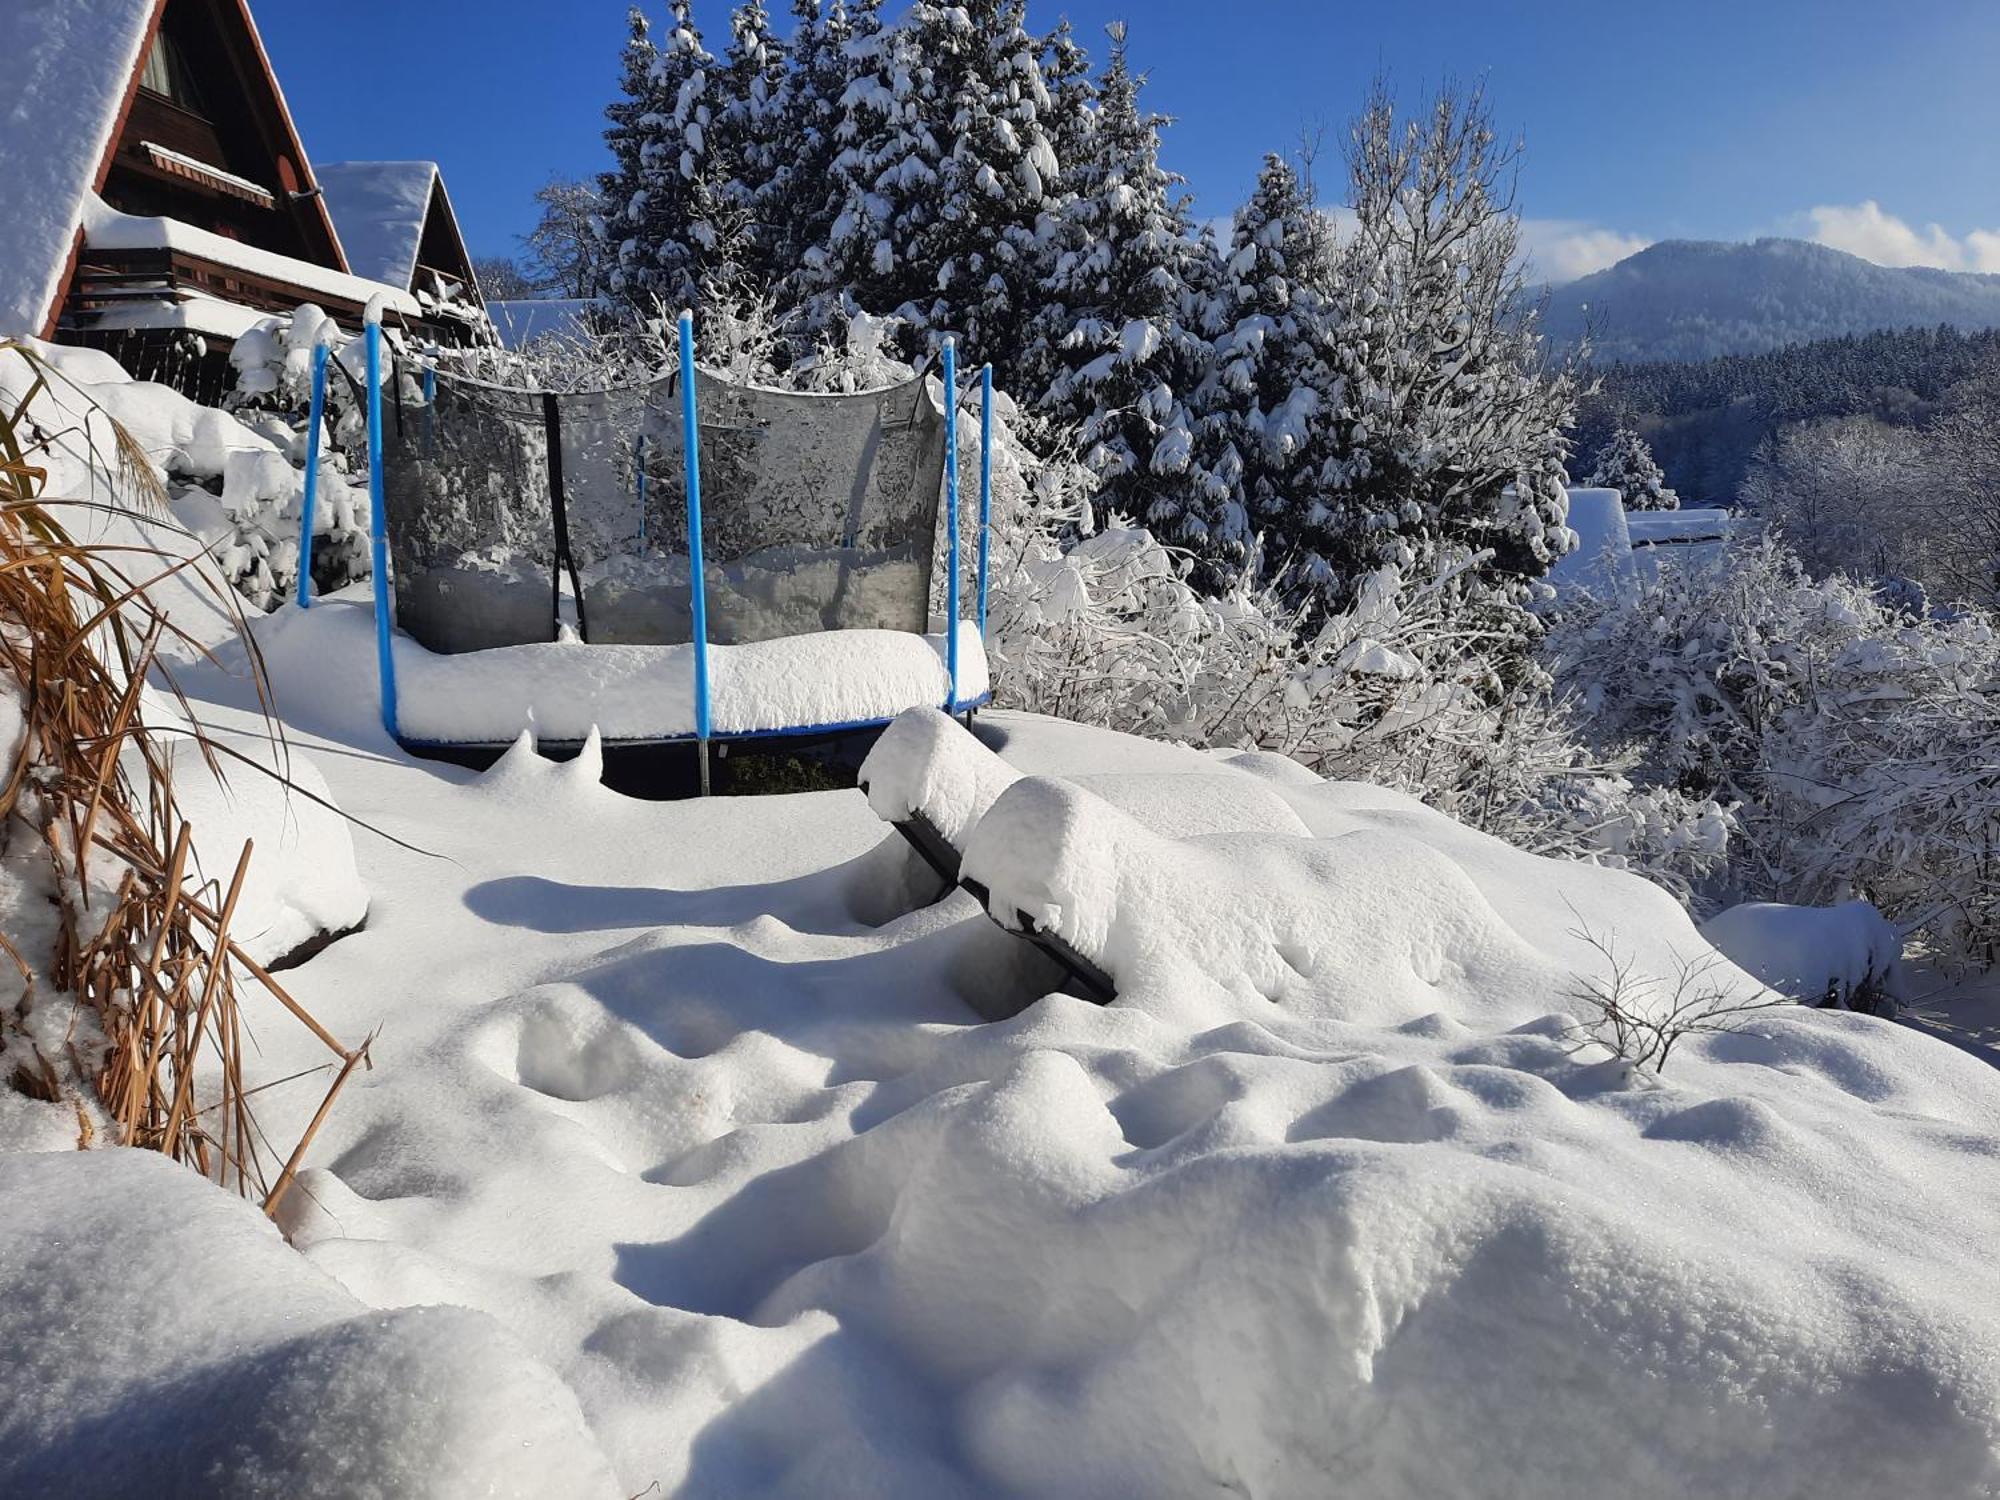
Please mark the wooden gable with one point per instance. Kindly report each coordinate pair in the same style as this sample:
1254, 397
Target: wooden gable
206, 138
441, 252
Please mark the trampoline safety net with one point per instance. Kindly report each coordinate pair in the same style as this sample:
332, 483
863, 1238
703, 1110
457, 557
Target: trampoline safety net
512, 512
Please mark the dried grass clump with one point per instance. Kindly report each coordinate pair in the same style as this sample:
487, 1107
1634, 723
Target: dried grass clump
143, 951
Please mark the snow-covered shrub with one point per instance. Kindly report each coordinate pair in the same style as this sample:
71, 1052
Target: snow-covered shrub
1402, 688
1849, 495
1862, 742
255, 527
1848, 956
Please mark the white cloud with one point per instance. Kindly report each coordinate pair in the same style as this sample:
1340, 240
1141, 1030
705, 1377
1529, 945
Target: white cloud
1560, 250
1553, 250
1863, 229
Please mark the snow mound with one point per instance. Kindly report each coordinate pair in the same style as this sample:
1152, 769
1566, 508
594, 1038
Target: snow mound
162, 1339
1370, 925
1813, 953
746, 1175
302, 883
96, 505
927, 763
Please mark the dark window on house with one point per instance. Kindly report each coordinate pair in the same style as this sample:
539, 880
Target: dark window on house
167, 75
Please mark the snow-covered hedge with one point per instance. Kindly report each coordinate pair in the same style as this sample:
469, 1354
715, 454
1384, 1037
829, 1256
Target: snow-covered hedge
1862, 742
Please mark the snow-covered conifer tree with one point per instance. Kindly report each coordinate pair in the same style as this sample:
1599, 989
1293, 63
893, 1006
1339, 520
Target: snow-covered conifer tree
800, 200
1071, 119
946, 173
748, 144
1113, 356
663, 205
635, 117
1626, 464
1264, 398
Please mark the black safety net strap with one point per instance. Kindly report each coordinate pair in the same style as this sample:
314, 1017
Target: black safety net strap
559, 512
354, 386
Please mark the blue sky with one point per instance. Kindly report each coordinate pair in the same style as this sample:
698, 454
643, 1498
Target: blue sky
1870, 124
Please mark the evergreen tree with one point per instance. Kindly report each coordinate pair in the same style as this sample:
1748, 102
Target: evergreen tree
945, 175
799, 202
710, 242
748, 145
1264, 398
623, 222
1625, 464
665, 211
1113, 356
1071, 119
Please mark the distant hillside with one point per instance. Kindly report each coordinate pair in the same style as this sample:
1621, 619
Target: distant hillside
1704, 420
1698, 299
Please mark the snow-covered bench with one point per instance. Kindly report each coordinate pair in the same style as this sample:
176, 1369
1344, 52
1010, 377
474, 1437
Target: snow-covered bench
934, 782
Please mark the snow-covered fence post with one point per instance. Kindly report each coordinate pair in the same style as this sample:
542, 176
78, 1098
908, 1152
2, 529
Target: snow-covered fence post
378, 525
985, 484
951, 521
691, 449
315, 413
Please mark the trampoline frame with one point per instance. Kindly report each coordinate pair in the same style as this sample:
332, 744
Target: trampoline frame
703, 734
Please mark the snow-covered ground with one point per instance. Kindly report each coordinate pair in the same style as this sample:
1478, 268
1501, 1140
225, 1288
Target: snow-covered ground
743, 1199
686, 1164
1963, 1009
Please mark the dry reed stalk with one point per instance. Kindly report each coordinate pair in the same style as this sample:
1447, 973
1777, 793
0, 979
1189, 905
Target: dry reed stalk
139, 948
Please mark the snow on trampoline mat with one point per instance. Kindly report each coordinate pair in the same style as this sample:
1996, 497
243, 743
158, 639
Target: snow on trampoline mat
631, 694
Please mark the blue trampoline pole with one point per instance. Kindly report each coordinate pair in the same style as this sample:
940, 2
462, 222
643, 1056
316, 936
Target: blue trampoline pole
378, 534
951, 520
691, 451
639, 463
985, 483
315, 414
430, 404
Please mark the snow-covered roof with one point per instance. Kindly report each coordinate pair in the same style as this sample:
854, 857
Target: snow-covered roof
1656, 528
107, 229
520, 323
63, 76
1602, 559
379, 208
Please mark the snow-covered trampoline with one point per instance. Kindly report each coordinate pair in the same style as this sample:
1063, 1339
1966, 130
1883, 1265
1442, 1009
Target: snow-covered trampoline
674, 561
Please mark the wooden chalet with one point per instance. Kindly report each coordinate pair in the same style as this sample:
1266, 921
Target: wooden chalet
170, 204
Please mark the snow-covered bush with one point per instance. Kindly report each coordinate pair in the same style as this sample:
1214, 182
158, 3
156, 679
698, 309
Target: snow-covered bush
255, 526
1402, 688
1862, 742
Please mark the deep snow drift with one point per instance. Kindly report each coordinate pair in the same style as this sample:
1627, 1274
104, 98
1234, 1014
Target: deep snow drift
1330, 1201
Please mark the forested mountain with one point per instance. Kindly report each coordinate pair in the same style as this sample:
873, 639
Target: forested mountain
1705, 420
1698, 299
